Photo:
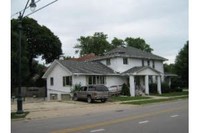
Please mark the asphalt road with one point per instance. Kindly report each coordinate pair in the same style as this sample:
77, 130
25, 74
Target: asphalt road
167, 117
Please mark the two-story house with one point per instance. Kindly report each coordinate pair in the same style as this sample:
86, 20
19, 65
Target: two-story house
120, 65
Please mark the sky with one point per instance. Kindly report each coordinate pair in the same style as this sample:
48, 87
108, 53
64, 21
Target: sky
163, 24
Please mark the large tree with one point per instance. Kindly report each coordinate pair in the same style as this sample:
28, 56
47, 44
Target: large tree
40, 41
138, 43
96, 44
36, 41
181, 64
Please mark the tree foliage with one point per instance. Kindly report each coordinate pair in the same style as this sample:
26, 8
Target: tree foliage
138, 43
36, 41
97, 44
181, 64
169, 68
117, 42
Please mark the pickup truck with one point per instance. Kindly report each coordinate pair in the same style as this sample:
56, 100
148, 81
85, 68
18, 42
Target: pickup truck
91, 93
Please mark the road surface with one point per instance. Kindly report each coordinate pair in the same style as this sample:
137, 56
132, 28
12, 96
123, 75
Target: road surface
166, 117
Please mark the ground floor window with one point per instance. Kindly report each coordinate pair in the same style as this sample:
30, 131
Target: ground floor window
67, 80
96, 80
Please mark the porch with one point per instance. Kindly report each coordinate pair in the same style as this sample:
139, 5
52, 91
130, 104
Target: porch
139, 79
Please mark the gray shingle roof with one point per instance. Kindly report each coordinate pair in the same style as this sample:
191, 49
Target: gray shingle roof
86, 67
130, 52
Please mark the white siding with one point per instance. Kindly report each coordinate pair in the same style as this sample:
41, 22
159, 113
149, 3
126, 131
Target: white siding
57, 73
159, 66
79, 80
118, 66
115, 81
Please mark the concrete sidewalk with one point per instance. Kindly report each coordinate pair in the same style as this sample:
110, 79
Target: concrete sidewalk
44, 110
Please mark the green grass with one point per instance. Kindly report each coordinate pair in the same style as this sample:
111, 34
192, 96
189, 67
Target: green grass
174, 94
154, 100
14, 115
124, 98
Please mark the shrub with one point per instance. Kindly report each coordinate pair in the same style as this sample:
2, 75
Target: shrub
125, 90
178, 89
165, 87
153, 88
77, 87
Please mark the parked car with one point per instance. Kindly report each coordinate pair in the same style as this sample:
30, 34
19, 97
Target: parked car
91, 93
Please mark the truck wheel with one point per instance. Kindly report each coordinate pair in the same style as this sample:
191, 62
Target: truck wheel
75, 97
89, 99
103, 100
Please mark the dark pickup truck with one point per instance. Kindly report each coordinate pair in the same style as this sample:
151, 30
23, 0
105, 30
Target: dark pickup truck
91, 93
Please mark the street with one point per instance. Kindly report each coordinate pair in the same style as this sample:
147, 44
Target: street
153, 118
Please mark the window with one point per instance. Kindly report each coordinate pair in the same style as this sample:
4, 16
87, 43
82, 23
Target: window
153, 64
142, 62
107, 61
67, 80
148, 63
96, 80
51, 81
125, 61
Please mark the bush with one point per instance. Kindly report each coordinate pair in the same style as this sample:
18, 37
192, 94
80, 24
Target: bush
125, 90
153, 88
165, 87
77, 87
178, 89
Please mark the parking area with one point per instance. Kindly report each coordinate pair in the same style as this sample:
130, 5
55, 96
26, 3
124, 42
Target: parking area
42, 110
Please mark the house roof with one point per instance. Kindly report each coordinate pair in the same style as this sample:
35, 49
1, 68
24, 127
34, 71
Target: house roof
85, 57
86, 67
170, 74
138, 69
130, 52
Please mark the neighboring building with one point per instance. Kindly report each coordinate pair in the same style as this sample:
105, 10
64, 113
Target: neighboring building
121, 65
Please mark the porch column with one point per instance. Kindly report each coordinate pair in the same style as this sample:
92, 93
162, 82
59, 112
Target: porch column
147, 84
132, 85
159, 85
170, 82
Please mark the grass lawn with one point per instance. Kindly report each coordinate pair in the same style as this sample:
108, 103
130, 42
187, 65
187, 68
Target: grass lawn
127, 98
14, 115
154, 100
174, 94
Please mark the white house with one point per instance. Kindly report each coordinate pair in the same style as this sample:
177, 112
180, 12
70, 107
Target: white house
121, 65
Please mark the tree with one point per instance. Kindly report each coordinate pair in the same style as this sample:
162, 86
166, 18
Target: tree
117, 42
138, 43
181, 64
96, 44
36, 41
40, 41
169, 68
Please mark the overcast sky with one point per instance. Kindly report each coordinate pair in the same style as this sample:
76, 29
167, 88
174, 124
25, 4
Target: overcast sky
162, 23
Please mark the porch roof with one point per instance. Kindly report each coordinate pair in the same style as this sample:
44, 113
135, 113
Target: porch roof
143, 70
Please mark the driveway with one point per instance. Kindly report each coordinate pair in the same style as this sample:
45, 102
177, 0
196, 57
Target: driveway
43, 110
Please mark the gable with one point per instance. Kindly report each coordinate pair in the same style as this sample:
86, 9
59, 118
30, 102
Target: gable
141, 71
56, 65
147, 71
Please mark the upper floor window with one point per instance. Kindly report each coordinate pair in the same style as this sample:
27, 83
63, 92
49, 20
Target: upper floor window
67, 80
107, 61
125, 61
148, 63
51, 81
153, 64
142, 62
